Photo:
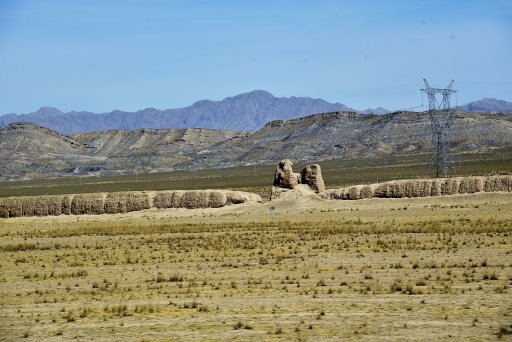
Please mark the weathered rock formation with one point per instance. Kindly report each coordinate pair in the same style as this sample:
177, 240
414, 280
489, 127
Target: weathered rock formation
312, 176
120, 202
285, 177
308, 180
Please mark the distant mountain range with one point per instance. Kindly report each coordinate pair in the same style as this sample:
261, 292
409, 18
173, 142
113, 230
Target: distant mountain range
30, 151
488, 104
247, 112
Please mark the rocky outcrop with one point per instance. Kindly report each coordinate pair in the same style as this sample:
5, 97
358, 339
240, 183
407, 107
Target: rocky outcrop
309, 179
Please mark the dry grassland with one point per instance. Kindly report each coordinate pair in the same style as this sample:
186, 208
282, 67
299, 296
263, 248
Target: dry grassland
377, 269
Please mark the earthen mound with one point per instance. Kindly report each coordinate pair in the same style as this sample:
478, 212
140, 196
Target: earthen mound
120, 202
422, 188
308, 180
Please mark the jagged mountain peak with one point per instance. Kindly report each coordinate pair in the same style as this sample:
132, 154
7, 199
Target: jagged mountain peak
247, 111
46, 110
256, 93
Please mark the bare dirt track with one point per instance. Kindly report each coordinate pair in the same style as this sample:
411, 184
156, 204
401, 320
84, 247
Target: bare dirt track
375, 269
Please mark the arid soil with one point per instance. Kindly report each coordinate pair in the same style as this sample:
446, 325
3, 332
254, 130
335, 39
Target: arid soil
437, 268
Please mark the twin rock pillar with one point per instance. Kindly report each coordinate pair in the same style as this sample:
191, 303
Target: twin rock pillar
311, 176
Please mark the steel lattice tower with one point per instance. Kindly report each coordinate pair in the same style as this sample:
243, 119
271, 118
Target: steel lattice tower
441, 117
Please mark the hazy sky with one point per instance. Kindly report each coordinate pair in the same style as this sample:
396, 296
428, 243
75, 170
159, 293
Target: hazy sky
128, 55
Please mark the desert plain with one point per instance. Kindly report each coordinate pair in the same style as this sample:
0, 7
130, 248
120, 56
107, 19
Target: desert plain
436, 268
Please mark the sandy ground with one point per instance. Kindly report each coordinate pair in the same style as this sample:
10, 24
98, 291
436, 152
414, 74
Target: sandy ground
304, 269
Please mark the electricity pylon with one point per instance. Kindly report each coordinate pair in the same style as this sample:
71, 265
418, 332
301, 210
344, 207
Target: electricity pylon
441, 117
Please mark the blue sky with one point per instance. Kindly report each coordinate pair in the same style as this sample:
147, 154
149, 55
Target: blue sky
128, 55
